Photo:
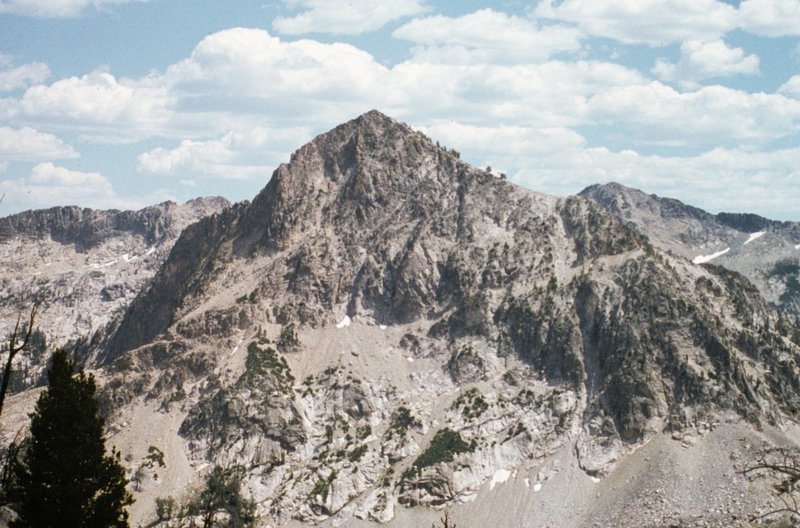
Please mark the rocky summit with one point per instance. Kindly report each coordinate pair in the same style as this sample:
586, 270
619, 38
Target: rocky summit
386, 331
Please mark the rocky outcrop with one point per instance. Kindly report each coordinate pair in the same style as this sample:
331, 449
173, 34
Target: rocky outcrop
255, 418
385, 326
524, 323
762, 250
85, 266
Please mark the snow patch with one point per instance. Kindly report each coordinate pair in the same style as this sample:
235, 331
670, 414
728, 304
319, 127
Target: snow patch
500, 476
702, 259
754, 236
537, 487
344, 322
382, 327
797, 246
410, 359
527, 482
595, 480
236, 348
150, 251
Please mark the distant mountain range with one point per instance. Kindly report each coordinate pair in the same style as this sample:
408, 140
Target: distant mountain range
86, 265
767, 252
386, 329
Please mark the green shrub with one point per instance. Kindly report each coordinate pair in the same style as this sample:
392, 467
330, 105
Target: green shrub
155, 456
473, 403
288, 338
445, 444
264, 361
166, 508
322, 487
402, 420
356, 454
363, 431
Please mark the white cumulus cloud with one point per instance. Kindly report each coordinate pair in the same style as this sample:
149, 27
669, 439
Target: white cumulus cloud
487, 36
17, 77
713, 115
250, 71
93, 103
770, 18
55, 8
791, 88
28, 144
661, 22
506, 148
236, 155
701, 59
345, 17
50, 185
551, 94
49, 173
189, 156
652, 22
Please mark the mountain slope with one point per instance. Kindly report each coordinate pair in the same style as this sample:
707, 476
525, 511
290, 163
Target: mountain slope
767, 252
387, 325
85, 265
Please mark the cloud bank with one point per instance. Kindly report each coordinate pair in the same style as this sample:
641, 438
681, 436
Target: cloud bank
532, 94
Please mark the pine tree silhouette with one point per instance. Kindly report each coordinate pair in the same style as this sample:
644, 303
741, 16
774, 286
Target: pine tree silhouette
66, 477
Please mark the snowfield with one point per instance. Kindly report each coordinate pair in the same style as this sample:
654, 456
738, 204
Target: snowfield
754, 236
702, 259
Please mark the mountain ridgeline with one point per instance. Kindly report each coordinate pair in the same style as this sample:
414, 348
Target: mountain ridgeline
87, 228
385, 326
378, 281
85, 265
765, 251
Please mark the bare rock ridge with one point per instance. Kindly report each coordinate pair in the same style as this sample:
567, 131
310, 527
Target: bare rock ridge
386, 325
765, 251
88, 228
334, 189
85, 265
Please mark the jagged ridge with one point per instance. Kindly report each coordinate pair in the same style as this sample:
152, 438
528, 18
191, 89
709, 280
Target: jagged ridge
692, 232
577, 328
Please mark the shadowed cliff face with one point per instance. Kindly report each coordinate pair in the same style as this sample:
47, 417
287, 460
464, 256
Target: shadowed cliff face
568, 323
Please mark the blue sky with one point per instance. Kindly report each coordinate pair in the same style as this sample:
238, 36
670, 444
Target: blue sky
126, 103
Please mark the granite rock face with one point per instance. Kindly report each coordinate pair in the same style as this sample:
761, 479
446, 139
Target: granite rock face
386, 327
428, 325
765, 251
85, 266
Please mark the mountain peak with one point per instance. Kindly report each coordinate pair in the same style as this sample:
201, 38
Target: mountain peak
432, 308
371, 123
350, 172
377, 120
370, 126
375, 117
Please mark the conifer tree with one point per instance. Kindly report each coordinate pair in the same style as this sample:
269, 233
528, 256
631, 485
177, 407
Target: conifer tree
222, 495
66, 478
